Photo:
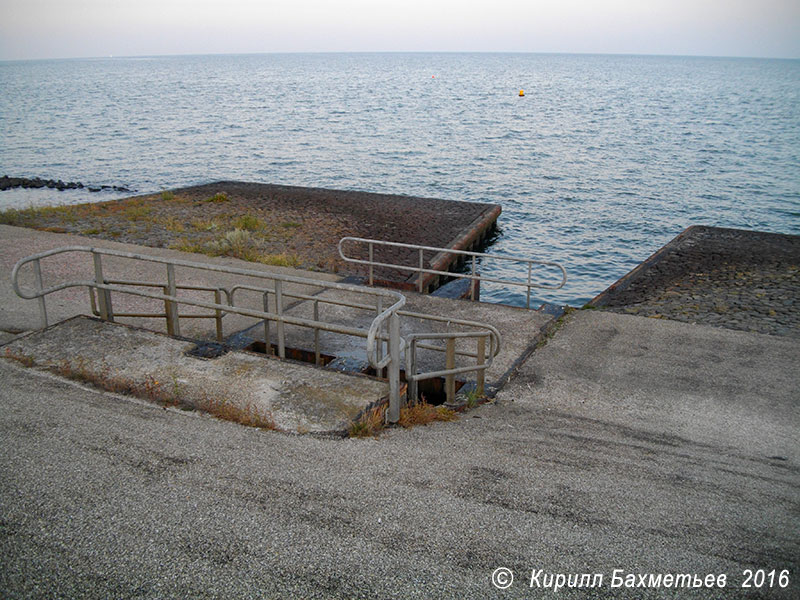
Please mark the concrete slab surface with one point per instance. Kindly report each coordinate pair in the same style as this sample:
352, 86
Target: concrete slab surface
288, 395
22, 315
625, 443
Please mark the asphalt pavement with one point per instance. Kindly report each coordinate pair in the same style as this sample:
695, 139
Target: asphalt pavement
625, 447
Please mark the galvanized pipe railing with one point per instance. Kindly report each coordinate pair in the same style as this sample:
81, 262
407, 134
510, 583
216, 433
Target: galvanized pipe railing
104, 289
167, 314
482, 363
374, 334
473, 275
494, 334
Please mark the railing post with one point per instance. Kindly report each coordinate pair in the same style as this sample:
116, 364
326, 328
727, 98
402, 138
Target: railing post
421, 266
379, 338
481, 373
317, 359
411, 371
393, 414
267, 344
103, 296
218, 314
279, 310
173, 326
37, 275
528, 304
167, 315
472, 282
370, 263
450, 363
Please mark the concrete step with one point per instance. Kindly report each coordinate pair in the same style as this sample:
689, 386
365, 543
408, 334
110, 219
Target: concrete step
270, 392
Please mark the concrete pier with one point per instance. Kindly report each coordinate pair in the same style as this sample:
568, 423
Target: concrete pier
139, 356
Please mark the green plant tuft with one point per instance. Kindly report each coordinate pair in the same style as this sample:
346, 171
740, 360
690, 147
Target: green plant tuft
218, 197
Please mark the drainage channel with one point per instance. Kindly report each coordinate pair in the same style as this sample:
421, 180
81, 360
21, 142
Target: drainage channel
432, 390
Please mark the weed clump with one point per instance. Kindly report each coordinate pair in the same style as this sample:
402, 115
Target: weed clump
24, 359
249, 223
248, 415
372, 422
241, 244
280, 260
137, 213
369, 424
238, 243
422, 413
218, 197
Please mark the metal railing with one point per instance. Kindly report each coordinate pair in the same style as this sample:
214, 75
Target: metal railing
172, 326
383, 341
483, 360
103, 288
480, 331
473, 275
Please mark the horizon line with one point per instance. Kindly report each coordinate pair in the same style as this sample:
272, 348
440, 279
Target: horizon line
322, 52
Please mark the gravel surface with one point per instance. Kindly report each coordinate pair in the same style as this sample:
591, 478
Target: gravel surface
625, 443
737, 279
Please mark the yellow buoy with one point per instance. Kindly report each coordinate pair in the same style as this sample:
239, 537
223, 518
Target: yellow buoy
522, 92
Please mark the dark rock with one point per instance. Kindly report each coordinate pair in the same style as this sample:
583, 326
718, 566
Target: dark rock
7, 183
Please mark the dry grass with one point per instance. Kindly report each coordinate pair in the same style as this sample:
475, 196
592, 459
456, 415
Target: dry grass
29, 217
249, 414
138, 212
280, 260
241, 244
165, 393
200, 223
373, 421
423, 413
369, 424
22, 358
205, 224
250, 223
172, 224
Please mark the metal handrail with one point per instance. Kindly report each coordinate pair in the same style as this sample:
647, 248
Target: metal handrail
217, 316
483, 360
495, 337
473, 276
374, 335
106, 312
482, 364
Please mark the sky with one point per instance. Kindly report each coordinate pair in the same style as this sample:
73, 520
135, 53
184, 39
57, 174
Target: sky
32, 29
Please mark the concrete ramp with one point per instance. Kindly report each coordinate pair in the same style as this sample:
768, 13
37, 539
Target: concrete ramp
267, 392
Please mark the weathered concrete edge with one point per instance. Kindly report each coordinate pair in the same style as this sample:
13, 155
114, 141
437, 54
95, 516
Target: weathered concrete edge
544, 332
473, 232
340, 431
604, 297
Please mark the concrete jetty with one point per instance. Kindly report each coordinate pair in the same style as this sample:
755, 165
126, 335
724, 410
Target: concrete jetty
293, 397
623, 447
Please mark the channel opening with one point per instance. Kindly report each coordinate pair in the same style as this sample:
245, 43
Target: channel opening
297, 354
433, 390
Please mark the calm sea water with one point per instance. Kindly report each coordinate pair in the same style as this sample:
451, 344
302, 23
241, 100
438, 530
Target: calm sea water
604, 159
